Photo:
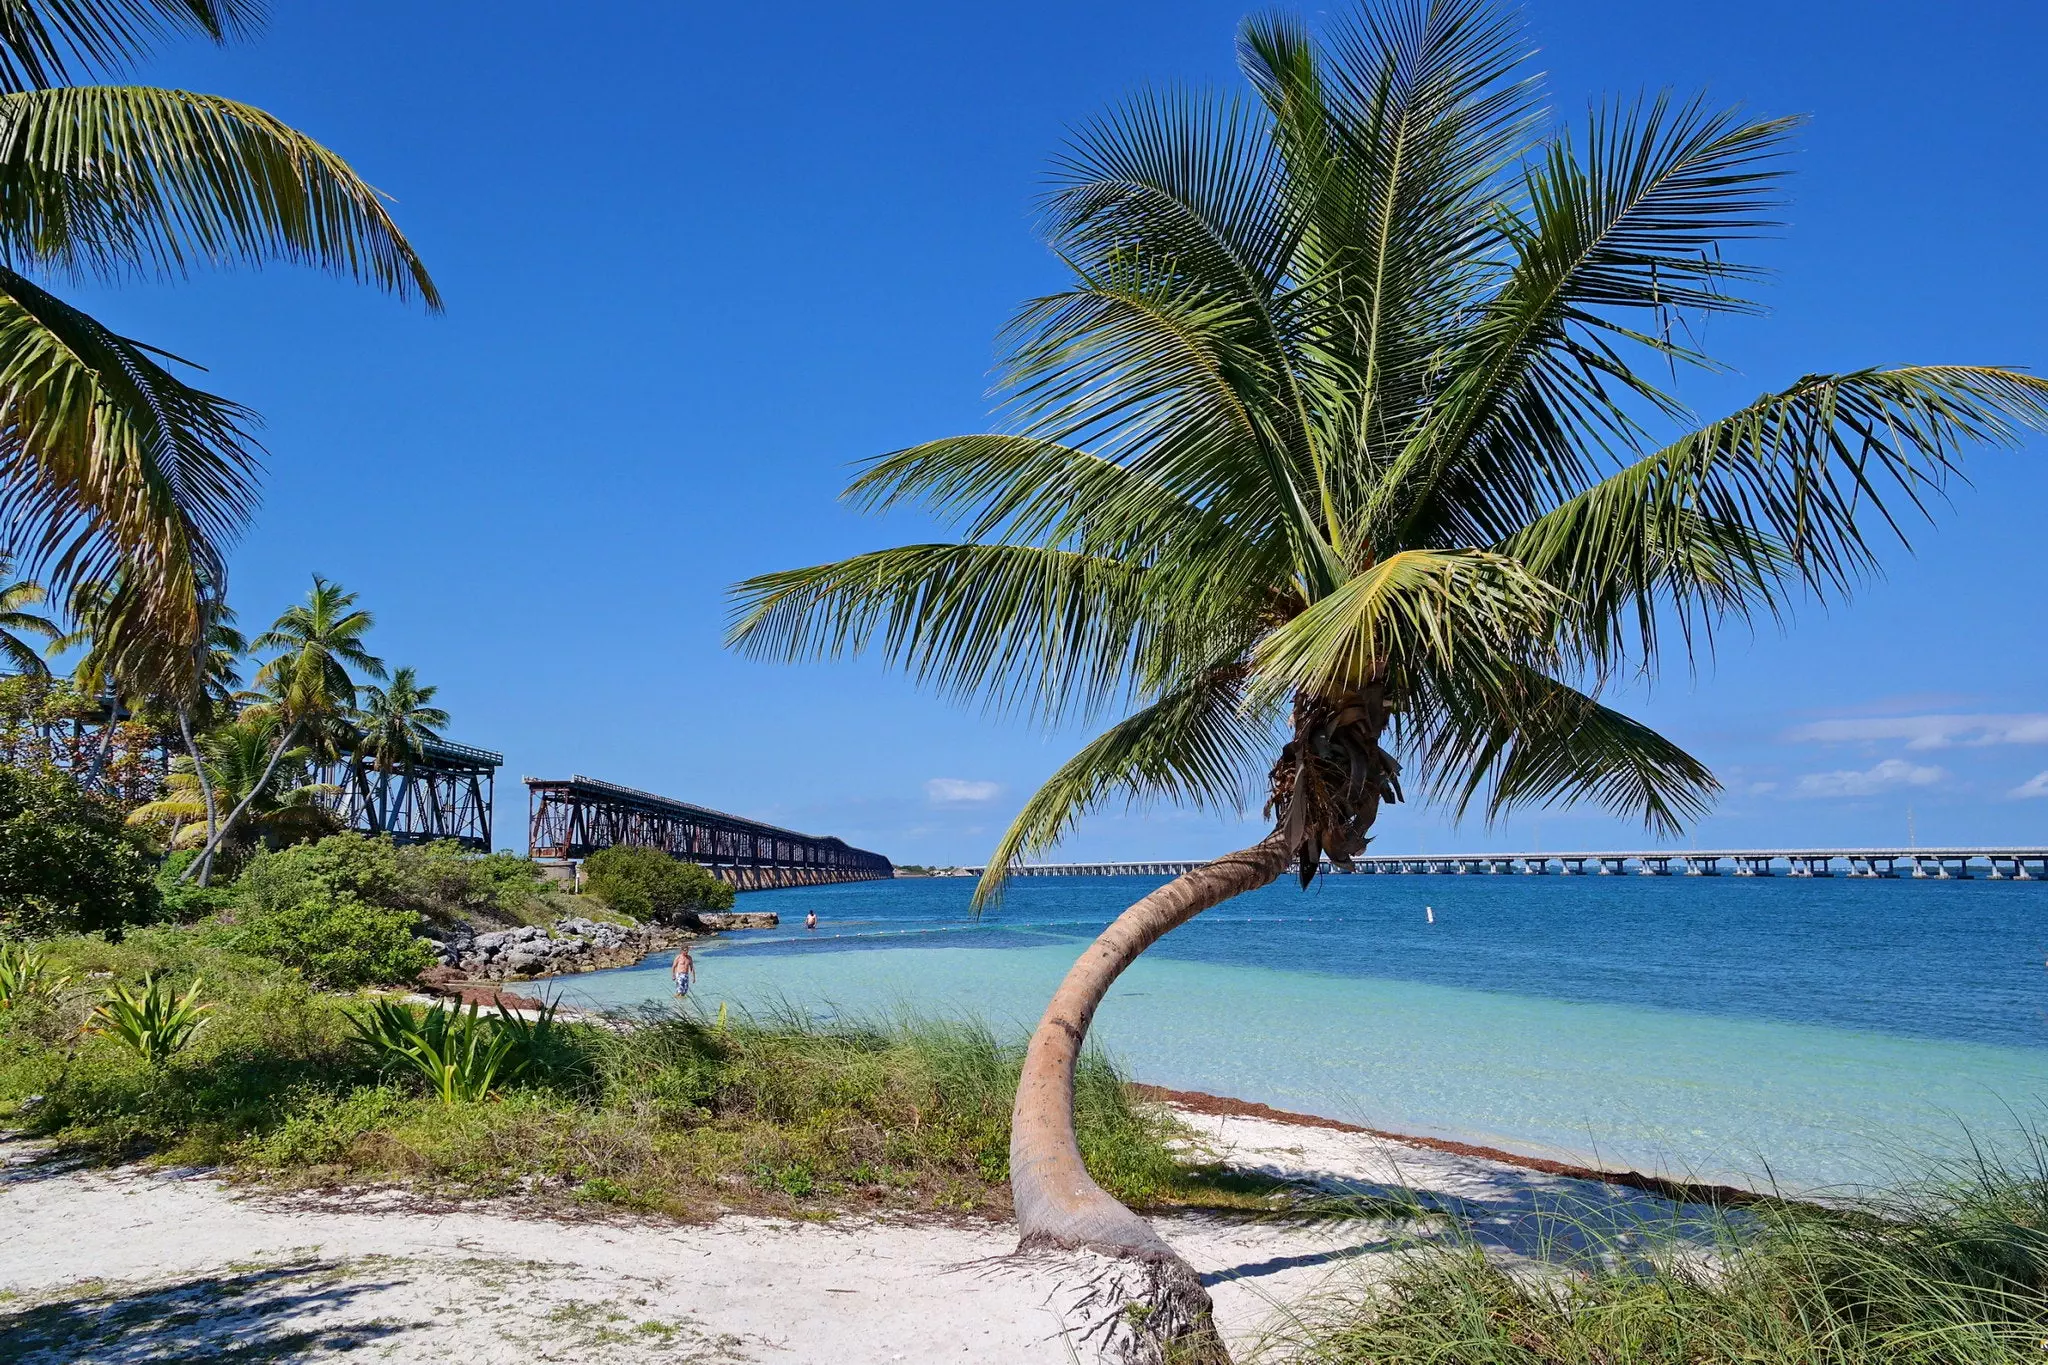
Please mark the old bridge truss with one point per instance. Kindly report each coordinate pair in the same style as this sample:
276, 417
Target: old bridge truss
446, 793
572, 819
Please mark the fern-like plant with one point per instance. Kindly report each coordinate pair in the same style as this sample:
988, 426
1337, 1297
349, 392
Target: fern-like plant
27, 974
155, 1023
460, 1054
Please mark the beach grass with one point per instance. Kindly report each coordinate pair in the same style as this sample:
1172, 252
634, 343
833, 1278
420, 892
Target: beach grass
1951, 1269
662, 1109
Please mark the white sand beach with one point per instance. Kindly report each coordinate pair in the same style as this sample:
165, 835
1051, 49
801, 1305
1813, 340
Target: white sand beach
139, 1264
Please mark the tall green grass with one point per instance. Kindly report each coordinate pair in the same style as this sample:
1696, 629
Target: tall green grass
660, 1109
1953, 1270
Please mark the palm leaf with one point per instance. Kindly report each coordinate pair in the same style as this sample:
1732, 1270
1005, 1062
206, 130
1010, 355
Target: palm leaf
1201, 745
1527, 739
1636, 225
43, 42
101, 180
1442, 609
1050, 630
1733, 518
108, 462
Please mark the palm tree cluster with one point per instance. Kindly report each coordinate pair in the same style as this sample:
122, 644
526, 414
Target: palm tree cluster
249, 754
1350, 469
114, 470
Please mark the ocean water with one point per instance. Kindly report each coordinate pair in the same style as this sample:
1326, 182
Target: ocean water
1811, 1034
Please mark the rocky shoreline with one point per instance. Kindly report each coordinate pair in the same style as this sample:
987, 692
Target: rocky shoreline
572, 945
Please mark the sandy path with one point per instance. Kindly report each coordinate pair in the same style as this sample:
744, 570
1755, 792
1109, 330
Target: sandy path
132, 1264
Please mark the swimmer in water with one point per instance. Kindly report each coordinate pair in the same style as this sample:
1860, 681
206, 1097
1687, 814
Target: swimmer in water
811, 920
681, 973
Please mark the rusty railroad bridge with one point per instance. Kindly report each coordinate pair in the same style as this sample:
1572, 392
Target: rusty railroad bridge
571, 819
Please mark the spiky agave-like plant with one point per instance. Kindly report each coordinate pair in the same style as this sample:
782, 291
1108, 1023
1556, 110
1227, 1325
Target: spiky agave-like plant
1340, 468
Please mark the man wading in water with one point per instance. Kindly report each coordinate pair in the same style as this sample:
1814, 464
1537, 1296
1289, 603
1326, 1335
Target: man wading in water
681, 972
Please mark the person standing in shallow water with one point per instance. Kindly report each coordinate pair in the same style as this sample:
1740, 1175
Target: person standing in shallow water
681, 972
811, 920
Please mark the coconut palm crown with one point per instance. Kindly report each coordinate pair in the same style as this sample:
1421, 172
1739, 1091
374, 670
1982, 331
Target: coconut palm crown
308, 688
398, 722
286, 806
1348, 469
1339, 464
18, 619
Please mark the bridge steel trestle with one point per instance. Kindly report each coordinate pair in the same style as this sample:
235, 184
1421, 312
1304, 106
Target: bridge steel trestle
570, 820
1952, 864
445, 794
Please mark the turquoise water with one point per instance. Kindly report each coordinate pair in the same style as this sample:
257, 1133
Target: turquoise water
1811, 1033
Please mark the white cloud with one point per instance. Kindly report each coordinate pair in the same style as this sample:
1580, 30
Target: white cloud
1929, 732
1885, 776
958, 791
1762, 788
2037, 785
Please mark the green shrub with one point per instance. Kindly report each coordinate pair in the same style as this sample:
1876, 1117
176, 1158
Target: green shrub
440, 880
67, 863
337, 938
648, 884
355, 865
320, 1126
455, 880
188, 902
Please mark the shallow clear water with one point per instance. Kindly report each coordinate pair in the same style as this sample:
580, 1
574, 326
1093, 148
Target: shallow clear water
1811, 1032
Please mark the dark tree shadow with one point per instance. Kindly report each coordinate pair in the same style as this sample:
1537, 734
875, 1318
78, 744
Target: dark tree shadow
1524, 1214
259, 1315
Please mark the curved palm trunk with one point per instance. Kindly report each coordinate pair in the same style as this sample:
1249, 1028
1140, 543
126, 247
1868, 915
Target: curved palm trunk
217, 837
202, 863
1058, 1202
103, 749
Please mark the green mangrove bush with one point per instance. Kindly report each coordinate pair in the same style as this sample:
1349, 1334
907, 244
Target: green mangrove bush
649, 885
336, 938
67, 862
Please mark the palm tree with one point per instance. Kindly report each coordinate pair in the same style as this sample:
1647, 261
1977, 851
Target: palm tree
108, 460
17, 596
397, 723
234, 763
126, 660
310, 689
1344, 472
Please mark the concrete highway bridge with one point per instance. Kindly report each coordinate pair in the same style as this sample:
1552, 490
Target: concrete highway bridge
1995, 862
570, 819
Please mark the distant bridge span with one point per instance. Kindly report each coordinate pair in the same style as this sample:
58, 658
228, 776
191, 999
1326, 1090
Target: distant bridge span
1999, 862
568, 820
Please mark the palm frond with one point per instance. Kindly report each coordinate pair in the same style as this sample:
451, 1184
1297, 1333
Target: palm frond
1051, 631
110, 466
1445, 609
97, 181
1155, 376
1395, 145
46, 42
1200, 744
1024, 489
1527, 739
1635, 225
1734, 518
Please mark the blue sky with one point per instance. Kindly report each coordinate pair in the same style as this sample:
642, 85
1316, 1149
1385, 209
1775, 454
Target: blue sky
699, 258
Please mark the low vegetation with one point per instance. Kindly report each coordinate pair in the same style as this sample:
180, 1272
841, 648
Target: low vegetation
664, 1111
67, 863
1954, 1274
647, 884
